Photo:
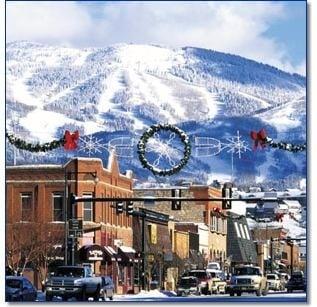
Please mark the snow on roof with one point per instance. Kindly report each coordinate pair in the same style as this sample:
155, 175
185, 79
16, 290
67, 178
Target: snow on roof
293, 227
25, 166
127, 249
292, 203
283, 206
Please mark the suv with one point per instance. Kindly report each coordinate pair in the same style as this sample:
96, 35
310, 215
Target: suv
296, 282
188, 285
248, 278
203, 279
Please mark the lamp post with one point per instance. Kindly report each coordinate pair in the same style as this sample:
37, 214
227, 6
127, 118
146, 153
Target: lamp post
69, 214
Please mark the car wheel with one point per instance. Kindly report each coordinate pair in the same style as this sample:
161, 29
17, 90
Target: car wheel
231, 293
97, 294
111, 298
258, 292
239, 293
84, 295
48, 297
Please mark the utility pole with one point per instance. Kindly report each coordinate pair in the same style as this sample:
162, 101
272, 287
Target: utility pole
271, 254
143, 253
292, 245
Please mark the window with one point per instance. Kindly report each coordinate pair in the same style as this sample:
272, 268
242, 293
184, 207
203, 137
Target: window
225, 226
246, 231
242, 231
214, 225
219, 225
88, 209
26, 207
237, 229
58, 212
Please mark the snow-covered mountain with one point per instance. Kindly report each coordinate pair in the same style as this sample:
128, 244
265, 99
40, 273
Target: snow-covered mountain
120, 90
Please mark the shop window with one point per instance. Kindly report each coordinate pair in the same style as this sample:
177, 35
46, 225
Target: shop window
58, 208
26, 207
152, 233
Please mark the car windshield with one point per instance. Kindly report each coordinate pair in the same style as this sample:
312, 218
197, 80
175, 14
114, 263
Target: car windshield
13, 283
212, 266
198, 274
247, 271
270, 277
69, 272
188, 282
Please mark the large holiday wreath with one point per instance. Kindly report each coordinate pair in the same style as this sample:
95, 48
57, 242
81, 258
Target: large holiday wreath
149, 133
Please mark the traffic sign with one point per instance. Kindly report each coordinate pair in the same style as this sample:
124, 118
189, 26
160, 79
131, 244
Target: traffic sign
74, 224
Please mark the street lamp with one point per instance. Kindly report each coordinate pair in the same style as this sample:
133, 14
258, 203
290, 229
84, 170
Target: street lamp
71, 212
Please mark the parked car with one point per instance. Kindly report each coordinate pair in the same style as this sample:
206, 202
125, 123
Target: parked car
19, 288
296, 282
188, 285
203, 279
73, 281
274, 282
107, 288
248, 278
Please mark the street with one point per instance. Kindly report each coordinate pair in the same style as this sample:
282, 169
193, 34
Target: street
168, 296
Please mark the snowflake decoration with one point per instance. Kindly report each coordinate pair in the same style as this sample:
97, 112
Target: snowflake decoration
91, 145
206, 146
123, 146
236, 145
163, 148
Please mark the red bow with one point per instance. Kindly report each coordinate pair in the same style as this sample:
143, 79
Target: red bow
217, 210
279, 217
259, 138
71, 140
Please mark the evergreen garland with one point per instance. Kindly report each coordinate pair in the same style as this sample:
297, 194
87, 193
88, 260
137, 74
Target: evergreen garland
285, 146
21, 144
148, 134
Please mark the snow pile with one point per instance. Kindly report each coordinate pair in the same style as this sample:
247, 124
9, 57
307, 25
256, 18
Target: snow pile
143, 294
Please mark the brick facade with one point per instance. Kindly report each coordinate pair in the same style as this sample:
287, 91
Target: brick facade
40, 185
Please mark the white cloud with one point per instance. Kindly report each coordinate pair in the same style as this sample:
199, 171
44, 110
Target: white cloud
234, 27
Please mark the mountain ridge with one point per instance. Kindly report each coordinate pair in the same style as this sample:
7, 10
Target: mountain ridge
126, 88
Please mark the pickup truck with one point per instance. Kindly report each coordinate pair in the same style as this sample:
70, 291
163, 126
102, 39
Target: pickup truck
73, 281
248, 278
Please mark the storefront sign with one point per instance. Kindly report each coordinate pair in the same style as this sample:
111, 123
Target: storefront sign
95, 255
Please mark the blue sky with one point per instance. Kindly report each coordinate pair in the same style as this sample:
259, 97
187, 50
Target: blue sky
291, 30
271, 32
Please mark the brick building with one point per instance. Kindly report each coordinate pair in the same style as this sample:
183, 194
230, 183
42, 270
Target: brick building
193, 212
35, 195
284, 255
